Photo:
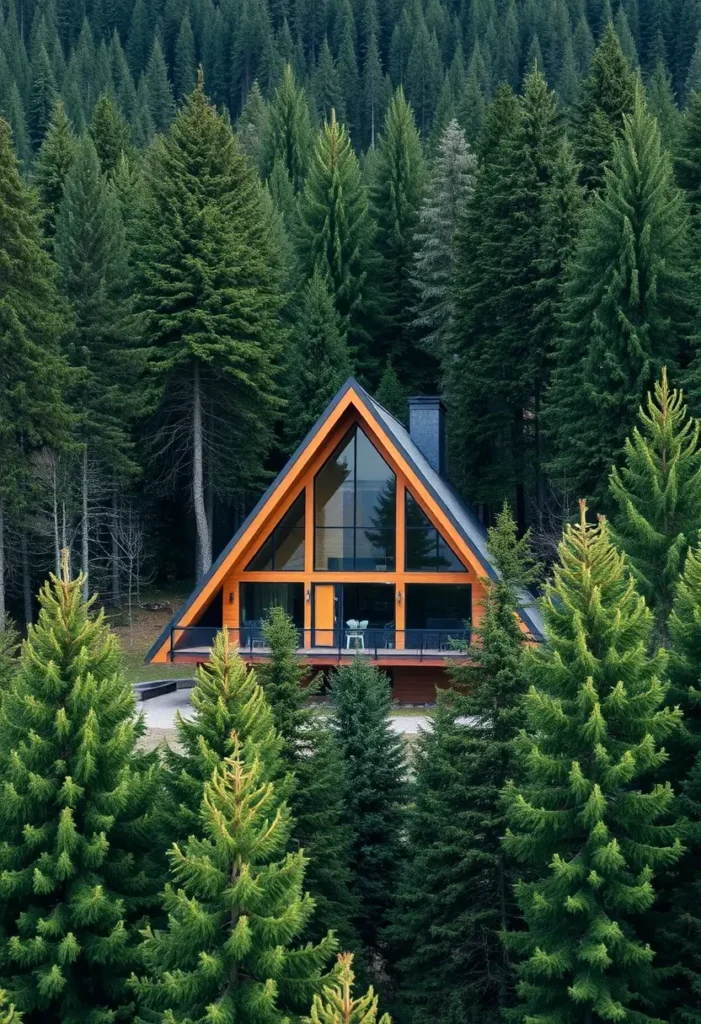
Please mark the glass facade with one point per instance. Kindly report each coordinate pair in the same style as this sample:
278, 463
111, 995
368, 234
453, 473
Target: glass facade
284, 549
355, 509
438, 606
258, 598
426, 550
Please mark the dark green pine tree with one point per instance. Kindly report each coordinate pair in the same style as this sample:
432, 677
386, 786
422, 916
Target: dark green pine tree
110, 133
498, 360
588, 819
688, 165
213, 341
607, 94
374, 797
626, 308
456, 893
399, 176
33, 409
288, 136
310, 753
90, 248
185, 66
236, 902
663, 104
236, 905
76, 805
159, 91
392, 394
52, 164
657, 495
318, 359
42, 97
335, 233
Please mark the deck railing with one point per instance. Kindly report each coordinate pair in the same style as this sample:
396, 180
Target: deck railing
186, 642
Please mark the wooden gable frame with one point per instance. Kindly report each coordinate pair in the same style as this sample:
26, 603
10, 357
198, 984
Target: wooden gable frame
229, 571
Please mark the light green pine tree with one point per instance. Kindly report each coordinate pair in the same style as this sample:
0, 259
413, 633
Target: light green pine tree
336, 1004
588, 819
77, 803
8, 1014
657, 492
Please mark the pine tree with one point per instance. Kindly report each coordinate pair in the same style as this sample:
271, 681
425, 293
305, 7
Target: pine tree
213, 342
76, 871
449, 191
335, 232
288, 131
33, 410
159, 91
310, 753
374, 795
336, 1004
662, 103
626, 308
235, 905
43, 97
251, 127
456, 893
8, 1014
110, 133
52, 164
589, 819
396, 193
184, 70
392, 394
607, 95
657, 492
499, 355
685, 652
318, 362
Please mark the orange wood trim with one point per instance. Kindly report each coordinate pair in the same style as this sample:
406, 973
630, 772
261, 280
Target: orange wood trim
348, 411
324, 614
309, 527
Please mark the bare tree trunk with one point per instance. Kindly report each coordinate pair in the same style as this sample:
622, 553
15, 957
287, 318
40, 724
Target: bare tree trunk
2, 565
204, 542
85, 550
116, 596
26, 577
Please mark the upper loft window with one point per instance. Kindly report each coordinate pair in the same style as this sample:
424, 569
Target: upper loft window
284, 549
355, 498
426, 550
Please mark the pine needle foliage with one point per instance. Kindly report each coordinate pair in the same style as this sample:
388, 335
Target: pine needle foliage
235, 906
456, 893
227, 700
588, 818
657, 492
8, 1014
76, 809
374, 793
685, 645
336, 1004
311, 754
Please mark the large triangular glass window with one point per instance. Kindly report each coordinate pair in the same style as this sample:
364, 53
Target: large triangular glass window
426, 549
283, 551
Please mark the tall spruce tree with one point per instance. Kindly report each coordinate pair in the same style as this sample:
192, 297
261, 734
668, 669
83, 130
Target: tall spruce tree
53, 162
335, 232
456, 893
288, 134
310, 753
33, 409
396, 192
318, 360
449, 191
588, 819
236, 904
110, 133
657, 492
626, 309
374, 793
213, 341
498, 363
607, 94
336, 1004
76, 805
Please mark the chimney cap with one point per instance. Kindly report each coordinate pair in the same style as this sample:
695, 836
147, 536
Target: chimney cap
429, 400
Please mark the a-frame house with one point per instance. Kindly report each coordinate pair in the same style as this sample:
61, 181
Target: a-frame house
364, 542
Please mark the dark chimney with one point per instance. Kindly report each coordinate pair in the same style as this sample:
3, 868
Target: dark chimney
427, 429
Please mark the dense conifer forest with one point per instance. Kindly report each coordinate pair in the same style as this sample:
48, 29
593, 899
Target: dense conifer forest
496, 200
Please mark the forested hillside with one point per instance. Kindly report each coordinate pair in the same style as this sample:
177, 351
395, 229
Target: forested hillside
211, 214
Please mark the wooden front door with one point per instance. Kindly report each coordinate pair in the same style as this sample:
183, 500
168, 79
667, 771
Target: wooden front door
324, 614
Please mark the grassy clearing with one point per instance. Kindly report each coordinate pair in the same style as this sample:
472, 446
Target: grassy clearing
137, 638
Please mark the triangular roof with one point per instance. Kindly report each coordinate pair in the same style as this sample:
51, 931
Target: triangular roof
465, 522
